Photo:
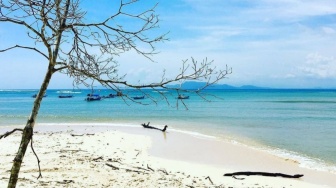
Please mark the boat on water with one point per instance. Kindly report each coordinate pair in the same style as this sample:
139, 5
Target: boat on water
183, 97
65, 96
93, 97
138, 97
35, 95
109, 96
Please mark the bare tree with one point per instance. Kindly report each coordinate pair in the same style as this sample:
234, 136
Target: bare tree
86, 51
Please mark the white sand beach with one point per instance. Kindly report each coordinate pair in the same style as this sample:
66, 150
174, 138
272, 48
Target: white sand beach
103, 156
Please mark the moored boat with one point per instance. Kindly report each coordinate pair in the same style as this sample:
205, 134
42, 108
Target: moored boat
93, 97
65, 96
138, 97
183, 97
109, 96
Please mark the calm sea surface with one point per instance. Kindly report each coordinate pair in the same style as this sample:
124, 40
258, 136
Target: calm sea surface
297, 124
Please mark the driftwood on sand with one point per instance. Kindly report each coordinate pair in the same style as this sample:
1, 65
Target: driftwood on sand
150, 127
263, 174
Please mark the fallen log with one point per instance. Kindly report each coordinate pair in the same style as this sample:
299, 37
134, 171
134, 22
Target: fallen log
263, 174
150, 127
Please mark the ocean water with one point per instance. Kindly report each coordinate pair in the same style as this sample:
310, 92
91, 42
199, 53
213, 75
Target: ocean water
296, 124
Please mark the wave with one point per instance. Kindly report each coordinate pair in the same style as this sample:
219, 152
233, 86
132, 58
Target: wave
13, 116
68, 92
160, 91
306, 101
302, 160
18, 90
195, 134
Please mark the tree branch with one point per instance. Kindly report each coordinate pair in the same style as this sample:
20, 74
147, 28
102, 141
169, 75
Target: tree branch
38, 160
25, 47
9, 133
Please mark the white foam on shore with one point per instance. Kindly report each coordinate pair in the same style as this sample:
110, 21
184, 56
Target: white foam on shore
304, 161
195, 134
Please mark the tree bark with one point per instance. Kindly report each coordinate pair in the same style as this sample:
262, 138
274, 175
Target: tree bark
26, 137
28, 131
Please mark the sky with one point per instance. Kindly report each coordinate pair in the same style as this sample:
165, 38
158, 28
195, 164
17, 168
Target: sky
267, 43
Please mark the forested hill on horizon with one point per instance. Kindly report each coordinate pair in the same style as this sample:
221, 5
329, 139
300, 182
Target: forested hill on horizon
197, 85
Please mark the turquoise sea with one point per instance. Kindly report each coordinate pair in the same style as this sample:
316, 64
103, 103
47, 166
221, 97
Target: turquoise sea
296, 124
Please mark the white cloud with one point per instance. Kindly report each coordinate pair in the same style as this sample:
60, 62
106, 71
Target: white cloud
319, 66
328, 30
297, 8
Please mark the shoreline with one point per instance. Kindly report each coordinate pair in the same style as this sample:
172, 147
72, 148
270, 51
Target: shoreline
173, 151
232, 157
303, 161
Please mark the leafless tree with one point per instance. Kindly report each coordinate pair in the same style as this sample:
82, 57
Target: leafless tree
86, 51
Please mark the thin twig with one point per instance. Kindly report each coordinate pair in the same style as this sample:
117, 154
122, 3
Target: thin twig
113, 167
98, 158
150, 168
77, 135
65, 181
9, 133
138, 153
209, 179
164, 171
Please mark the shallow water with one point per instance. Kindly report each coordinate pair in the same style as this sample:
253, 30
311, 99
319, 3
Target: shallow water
297, 124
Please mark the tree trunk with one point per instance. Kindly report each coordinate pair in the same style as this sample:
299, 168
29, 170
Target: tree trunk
26, 137
28, 130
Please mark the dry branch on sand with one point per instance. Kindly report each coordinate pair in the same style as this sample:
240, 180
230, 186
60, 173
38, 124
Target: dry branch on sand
147, 126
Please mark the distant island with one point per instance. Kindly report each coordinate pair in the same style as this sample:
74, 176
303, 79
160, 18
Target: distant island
197, 85
193, 85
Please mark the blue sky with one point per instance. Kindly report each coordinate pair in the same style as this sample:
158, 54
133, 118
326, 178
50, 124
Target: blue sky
270, 43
